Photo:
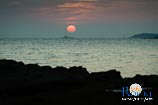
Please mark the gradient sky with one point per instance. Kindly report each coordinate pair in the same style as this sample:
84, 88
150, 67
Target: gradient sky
93, 18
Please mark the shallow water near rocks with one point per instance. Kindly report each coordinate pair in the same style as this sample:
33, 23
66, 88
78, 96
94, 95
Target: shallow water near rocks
128, 56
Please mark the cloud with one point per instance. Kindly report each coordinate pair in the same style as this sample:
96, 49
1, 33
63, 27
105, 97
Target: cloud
86, 0
84, 11
15, 4
69, 12
80, 5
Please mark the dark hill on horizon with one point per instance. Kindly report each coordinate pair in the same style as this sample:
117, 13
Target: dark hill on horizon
145, 36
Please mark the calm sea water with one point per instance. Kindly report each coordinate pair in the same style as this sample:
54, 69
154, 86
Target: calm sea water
128, 56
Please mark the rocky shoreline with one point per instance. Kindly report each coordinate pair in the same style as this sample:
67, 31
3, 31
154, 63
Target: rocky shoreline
31, 84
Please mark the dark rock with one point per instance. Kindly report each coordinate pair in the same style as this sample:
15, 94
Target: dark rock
109, 75
111, 78
26, 84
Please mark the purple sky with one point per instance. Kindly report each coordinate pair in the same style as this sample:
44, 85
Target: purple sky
90, 16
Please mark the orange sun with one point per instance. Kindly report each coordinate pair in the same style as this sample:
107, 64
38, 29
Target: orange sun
71, 28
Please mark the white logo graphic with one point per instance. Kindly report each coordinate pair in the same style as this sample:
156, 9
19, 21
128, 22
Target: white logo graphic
135, 89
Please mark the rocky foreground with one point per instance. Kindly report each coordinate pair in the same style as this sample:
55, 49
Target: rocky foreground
31, 84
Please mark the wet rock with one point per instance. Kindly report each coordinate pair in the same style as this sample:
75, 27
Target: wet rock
26, 84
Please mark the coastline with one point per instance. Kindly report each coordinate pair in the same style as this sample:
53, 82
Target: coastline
31, 84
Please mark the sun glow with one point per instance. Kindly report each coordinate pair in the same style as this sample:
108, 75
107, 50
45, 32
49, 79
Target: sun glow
71, 28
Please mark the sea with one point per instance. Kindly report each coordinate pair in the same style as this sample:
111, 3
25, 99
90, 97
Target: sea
129, 56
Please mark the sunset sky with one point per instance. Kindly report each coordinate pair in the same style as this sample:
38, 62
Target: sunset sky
93, 18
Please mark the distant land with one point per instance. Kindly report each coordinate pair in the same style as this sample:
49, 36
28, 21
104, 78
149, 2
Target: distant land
146, 36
